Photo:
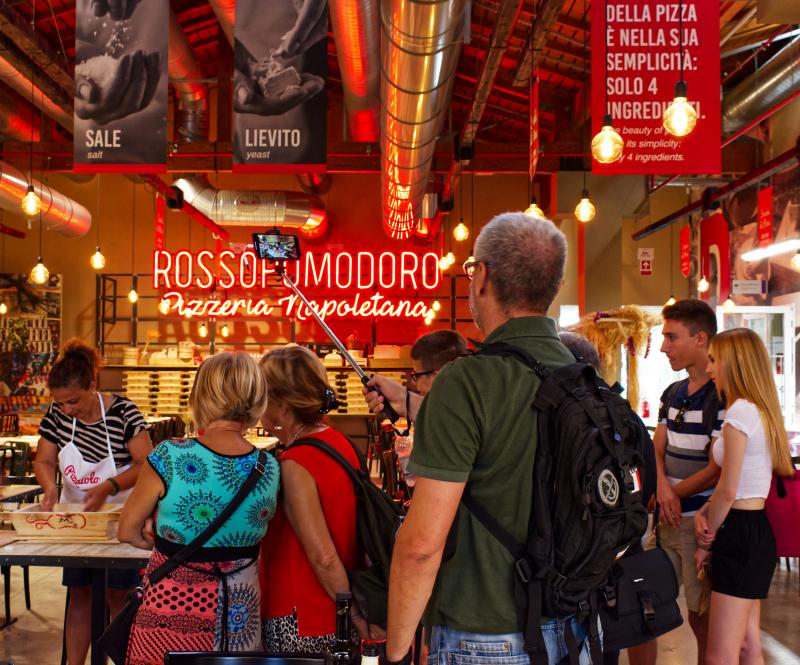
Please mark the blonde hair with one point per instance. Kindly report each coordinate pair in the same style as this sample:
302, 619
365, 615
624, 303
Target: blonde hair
744, 372
228, 386
297, 378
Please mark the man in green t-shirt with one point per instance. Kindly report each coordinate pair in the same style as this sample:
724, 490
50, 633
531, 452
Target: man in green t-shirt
476, 432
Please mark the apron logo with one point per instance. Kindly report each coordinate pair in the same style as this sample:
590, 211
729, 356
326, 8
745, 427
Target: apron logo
608, 488
91, 479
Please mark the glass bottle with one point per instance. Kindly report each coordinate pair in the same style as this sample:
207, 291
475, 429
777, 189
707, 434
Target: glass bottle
343, 652
370, 653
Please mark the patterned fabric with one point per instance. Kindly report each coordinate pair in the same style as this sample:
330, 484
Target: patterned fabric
199, 484
281, 634
123, 419
184, 611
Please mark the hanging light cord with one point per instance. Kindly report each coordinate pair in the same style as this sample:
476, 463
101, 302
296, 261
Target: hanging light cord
133, 232
97, 229
585, 96
680, 33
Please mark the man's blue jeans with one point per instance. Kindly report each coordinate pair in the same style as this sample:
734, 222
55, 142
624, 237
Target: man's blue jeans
455, 647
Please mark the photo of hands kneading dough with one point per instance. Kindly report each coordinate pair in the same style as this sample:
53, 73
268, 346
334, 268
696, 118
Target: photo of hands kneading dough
120, 82
280, 61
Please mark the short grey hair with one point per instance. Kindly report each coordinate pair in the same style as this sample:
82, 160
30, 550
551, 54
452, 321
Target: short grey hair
526, 257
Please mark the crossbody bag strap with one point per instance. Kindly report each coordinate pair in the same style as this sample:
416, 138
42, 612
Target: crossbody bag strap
330, 451
184, 553
515, 548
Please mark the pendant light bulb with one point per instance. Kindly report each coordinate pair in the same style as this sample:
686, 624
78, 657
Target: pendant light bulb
203, 330
225, 330
461, 232
607, 145
450, 258
39, 273
163, 306
670, 301
436, 306
444, 264
98, 261
3, 309
31, 203
533, 210
585, 210
795, 262
133, 296
729, 307
680, 116
703, 285
429, 318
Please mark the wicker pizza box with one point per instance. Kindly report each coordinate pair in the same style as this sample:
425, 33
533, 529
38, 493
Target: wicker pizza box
67, 520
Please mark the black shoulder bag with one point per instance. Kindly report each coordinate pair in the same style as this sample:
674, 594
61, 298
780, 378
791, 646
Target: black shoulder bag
639, 603
114, 640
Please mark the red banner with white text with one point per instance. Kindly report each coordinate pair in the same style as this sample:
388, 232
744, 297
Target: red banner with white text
636, 62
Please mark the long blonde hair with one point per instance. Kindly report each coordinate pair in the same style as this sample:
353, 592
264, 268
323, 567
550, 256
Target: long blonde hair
743, 371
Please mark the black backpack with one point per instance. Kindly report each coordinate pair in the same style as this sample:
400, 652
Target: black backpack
377, 521
587, 500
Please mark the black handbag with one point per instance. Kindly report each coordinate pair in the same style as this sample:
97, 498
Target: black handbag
640, 602
115, 638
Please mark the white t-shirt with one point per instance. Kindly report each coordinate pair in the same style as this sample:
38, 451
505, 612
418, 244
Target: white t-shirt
757, 465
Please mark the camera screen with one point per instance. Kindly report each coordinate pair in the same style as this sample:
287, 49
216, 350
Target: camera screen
276, 247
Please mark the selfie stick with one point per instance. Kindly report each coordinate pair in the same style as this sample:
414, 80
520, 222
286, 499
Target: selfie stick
388, 410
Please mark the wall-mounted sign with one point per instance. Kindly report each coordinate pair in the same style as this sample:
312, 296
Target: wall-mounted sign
339, 285
645, 256
749, 287
636, 62
121, 86
279, 99
765, 216
686, 250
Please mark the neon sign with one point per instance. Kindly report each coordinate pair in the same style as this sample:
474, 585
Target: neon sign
349, 273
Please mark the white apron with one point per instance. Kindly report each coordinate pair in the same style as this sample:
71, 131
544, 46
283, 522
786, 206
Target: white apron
79, 475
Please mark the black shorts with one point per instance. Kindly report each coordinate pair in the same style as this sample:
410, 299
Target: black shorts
744, 556
122, 578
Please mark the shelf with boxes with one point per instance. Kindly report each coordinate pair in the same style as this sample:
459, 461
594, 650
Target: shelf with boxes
349, 390
162, 391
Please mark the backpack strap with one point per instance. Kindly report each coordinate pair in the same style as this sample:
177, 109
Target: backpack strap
331, 452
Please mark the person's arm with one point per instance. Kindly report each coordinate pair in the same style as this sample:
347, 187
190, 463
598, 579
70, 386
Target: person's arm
304, 511
44, 467
416, 559
139, 447
700, 480
139, 508
669, 501
725, 493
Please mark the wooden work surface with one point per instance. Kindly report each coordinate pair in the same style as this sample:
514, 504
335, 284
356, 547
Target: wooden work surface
11, 493
44, 552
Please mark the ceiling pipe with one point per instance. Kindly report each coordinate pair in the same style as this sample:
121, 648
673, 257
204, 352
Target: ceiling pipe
232, 207
225, 11
59, 212
419, 55
355, 31
764, 88
191, 122
17, 81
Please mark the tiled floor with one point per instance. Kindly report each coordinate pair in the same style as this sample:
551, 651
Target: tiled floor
35, 639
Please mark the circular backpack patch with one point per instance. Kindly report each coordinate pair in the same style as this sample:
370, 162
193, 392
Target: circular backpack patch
608, 488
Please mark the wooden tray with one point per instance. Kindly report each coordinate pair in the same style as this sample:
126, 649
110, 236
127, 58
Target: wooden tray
67, 520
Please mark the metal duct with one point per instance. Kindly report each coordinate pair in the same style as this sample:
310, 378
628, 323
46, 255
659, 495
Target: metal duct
234, 207
419, 55
191, 122
760, 91
355, 31
59, 212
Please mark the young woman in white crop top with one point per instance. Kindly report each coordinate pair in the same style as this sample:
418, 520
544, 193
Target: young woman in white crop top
732, 530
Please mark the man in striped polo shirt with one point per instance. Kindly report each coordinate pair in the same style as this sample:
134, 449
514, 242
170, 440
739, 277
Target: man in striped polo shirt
689, 420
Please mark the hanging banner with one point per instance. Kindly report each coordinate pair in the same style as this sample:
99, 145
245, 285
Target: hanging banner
636, 62
121, 86
686, 250
279, 92
765, 216
160, 226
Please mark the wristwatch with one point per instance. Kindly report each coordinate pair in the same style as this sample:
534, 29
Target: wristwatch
114, 486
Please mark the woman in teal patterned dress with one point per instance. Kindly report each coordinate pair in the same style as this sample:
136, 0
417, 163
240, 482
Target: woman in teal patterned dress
210, 603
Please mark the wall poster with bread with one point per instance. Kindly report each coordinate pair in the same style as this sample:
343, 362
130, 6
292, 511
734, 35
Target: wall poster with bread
279, 86
121, 86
